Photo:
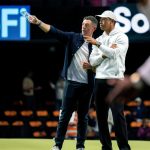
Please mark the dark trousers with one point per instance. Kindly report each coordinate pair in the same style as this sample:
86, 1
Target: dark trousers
76, 97
100, 92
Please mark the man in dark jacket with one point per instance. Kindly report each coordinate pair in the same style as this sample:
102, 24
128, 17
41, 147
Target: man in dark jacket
79, 77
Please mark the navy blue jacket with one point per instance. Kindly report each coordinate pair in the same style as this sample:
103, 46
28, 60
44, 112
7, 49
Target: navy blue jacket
73, 42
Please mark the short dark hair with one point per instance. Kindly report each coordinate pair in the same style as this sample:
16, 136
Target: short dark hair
92, 18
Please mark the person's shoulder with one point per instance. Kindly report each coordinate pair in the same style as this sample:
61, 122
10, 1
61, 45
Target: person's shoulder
99, 37
125, 36
55, 29
77, 34
122, 34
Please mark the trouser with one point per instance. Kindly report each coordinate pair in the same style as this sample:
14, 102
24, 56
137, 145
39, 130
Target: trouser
100, 92
76, 97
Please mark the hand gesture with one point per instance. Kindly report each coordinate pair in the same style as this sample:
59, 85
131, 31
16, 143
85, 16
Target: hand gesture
86, 65
34, 20
89, 39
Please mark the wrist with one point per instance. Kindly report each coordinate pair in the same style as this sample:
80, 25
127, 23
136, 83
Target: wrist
98, 44
39, 23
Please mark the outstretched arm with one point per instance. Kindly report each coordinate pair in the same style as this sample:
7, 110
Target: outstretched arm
58, 34
34, 20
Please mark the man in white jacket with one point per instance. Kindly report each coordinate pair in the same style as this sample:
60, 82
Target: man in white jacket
108, 57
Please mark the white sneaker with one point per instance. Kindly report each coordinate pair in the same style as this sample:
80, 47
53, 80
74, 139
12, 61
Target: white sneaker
56, 148
80, 149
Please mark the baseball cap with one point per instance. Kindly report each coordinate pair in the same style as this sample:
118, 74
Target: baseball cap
108, 14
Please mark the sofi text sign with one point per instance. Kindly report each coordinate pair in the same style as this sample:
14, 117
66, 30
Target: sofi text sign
13, 26
132, 22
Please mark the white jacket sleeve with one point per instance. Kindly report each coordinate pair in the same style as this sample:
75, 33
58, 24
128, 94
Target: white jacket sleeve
122, 46
95, 57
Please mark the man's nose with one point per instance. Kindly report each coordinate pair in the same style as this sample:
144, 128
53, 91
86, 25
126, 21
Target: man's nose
83, 26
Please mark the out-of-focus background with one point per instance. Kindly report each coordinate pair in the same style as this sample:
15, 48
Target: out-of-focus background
31, 63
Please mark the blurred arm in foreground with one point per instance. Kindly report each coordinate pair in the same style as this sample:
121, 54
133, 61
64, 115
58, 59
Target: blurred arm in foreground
132, 84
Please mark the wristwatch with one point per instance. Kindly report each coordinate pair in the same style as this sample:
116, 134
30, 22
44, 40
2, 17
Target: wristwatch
98, 44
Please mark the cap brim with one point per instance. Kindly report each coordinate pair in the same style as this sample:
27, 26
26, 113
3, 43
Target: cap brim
98, 15
101, 16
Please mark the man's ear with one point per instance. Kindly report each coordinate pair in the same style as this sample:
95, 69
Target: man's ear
94, 28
